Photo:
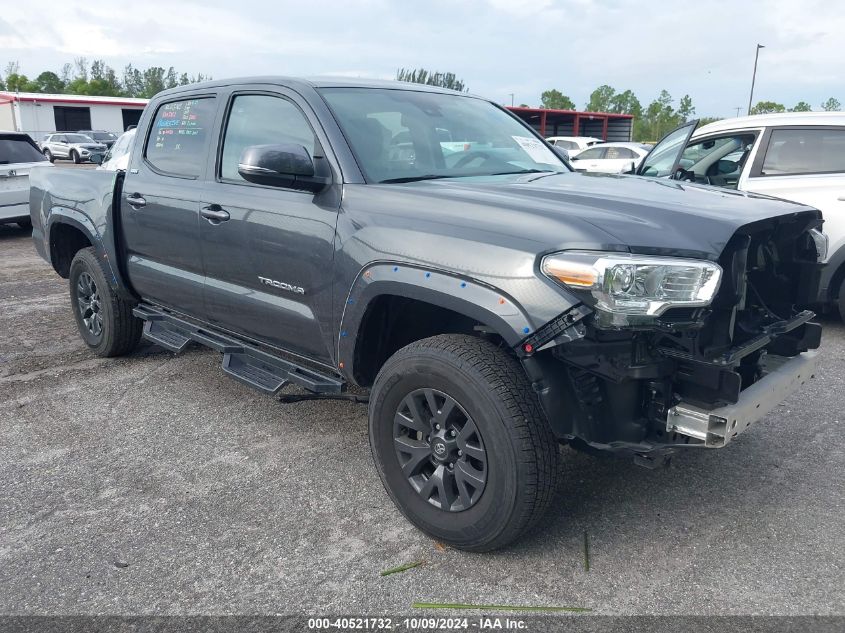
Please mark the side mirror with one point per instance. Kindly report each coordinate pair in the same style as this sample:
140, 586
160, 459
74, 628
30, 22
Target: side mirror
632, 169
97, 159
283, 165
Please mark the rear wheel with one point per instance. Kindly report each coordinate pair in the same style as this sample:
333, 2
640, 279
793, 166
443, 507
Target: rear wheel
460, 442
74, 156
105, 320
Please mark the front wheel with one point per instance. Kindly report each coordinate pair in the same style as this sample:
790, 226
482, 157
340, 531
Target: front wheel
104, 319
74, 156
460, 442
49, 155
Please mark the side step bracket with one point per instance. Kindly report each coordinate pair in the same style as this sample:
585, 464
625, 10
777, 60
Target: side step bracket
243, 361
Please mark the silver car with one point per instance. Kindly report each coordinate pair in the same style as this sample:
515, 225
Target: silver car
18, 156
77, 147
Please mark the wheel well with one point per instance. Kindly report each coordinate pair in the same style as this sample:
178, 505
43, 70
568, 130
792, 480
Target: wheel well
65, 242
391, 322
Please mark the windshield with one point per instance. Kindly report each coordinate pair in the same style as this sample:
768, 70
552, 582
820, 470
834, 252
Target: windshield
78, 138
18, 149
403, 135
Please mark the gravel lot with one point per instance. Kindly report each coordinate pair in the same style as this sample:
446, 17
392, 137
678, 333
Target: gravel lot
154, 484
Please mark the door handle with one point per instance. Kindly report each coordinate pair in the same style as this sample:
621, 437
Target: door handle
214, 213
136, 200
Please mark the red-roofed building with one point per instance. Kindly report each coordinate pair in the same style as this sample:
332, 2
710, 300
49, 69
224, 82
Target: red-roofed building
604, 125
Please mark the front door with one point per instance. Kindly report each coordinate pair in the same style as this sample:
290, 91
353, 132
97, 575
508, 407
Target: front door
267, 250
160, 202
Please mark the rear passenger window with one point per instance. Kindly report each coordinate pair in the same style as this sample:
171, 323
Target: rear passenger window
809, 151
178, 141
261, 120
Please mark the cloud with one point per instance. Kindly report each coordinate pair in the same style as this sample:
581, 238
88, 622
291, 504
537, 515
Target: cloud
498, 47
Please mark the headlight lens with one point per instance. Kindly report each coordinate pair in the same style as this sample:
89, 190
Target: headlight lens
635, 285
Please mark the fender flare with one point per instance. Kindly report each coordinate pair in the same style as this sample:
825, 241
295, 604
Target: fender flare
481, 302
81, 222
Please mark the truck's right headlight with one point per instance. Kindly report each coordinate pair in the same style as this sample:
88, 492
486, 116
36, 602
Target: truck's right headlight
626, 285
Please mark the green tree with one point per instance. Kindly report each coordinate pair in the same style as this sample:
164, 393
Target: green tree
17, 83
767, 107
626, 103
153, 81
685, 108
601, 99
802, 106
831, 105
423, 76
133, 81
555, 100
48, 82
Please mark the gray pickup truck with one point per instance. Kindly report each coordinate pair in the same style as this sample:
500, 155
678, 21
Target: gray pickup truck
492, 303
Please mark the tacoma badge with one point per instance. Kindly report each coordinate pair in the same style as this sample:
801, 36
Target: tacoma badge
282, 285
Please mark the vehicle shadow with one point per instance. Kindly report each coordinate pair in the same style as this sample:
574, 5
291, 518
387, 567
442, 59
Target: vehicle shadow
13, 231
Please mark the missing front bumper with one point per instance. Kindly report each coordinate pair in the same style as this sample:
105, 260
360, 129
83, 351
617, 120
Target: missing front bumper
714, 428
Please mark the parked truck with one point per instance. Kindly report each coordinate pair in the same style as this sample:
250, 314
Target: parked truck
492, 303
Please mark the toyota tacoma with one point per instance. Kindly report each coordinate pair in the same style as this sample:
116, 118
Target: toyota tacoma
431, 250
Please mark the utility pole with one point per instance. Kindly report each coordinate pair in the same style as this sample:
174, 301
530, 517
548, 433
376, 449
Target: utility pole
738, 108
511, 94
754, 76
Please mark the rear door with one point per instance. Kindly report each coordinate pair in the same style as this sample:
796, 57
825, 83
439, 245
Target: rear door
591, 159
269, 263
160, 202
805, 164
58, 146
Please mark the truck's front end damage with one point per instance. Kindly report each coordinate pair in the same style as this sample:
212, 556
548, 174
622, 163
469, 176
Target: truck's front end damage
672, 352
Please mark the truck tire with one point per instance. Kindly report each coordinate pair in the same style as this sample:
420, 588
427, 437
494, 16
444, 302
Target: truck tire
460, 442
74, 156
105, 321
841, 301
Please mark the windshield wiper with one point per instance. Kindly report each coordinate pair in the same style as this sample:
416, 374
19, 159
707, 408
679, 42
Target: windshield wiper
527, 171
416, 178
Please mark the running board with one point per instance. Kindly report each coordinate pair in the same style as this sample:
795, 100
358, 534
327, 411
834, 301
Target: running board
244, 362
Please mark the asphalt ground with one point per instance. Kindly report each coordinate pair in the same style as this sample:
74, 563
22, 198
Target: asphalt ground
154, 484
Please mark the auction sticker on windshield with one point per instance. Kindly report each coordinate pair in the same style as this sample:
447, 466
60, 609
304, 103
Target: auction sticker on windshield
535, 149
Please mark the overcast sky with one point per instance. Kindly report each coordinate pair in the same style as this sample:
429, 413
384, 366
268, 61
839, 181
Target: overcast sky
701, 47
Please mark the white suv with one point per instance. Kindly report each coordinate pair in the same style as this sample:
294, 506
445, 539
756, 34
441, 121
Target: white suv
797, 156
19, 155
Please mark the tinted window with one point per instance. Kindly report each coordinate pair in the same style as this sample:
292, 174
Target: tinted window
78, 138
396, 135
178, 140
591, 154
18, 149
619, 152
805, 152
262, 120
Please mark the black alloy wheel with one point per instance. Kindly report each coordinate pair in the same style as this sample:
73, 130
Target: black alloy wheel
440, 450
90, 307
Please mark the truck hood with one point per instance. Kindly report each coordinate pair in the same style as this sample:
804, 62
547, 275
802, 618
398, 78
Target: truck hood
642, 215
